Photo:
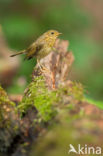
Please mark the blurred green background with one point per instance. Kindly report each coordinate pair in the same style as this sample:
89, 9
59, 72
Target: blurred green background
81, 22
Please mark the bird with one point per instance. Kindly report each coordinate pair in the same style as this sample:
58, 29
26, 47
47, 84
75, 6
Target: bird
41, 47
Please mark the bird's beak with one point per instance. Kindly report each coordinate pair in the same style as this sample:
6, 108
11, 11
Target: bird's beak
60, 33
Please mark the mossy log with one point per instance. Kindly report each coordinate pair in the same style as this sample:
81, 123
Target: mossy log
53, 112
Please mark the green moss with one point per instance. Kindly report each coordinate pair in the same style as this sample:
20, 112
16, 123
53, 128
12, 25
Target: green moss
76, 91
38, 96
73, 91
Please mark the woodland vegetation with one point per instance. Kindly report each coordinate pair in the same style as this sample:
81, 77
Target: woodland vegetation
42, 113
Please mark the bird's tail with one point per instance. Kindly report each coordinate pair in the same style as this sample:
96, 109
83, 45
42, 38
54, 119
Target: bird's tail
21, 52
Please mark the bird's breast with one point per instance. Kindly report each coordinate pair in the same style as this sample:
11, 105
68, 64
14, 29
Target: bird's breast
44, 52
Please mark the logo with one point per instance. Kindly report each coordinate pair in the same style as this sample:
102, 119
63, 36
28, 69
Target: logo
84, 149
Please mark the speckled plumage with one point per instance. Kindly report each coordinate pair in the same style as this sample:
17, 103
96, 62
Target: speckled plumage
41, 47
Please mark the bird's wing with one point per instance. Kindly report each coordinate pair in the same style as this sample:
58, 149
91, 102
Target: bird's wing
32, 50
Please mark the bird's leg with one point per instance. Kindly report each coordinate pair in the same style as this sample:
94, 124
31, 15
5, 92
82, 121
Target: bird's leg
51, 73
38, 62
42, 68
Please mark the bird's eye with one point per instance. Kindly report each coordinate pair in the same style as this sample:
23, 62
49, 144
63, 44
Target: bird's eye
52, 33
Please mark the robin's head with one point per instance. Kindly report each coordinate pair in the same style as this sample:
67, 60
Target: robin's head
52, 34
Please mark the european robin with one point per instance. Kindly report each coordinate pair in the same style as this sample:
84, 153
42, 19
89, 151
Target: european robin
41, 47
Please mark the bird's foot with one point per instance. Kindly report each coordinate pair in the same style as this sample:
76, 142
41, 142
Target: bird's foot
44, 69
